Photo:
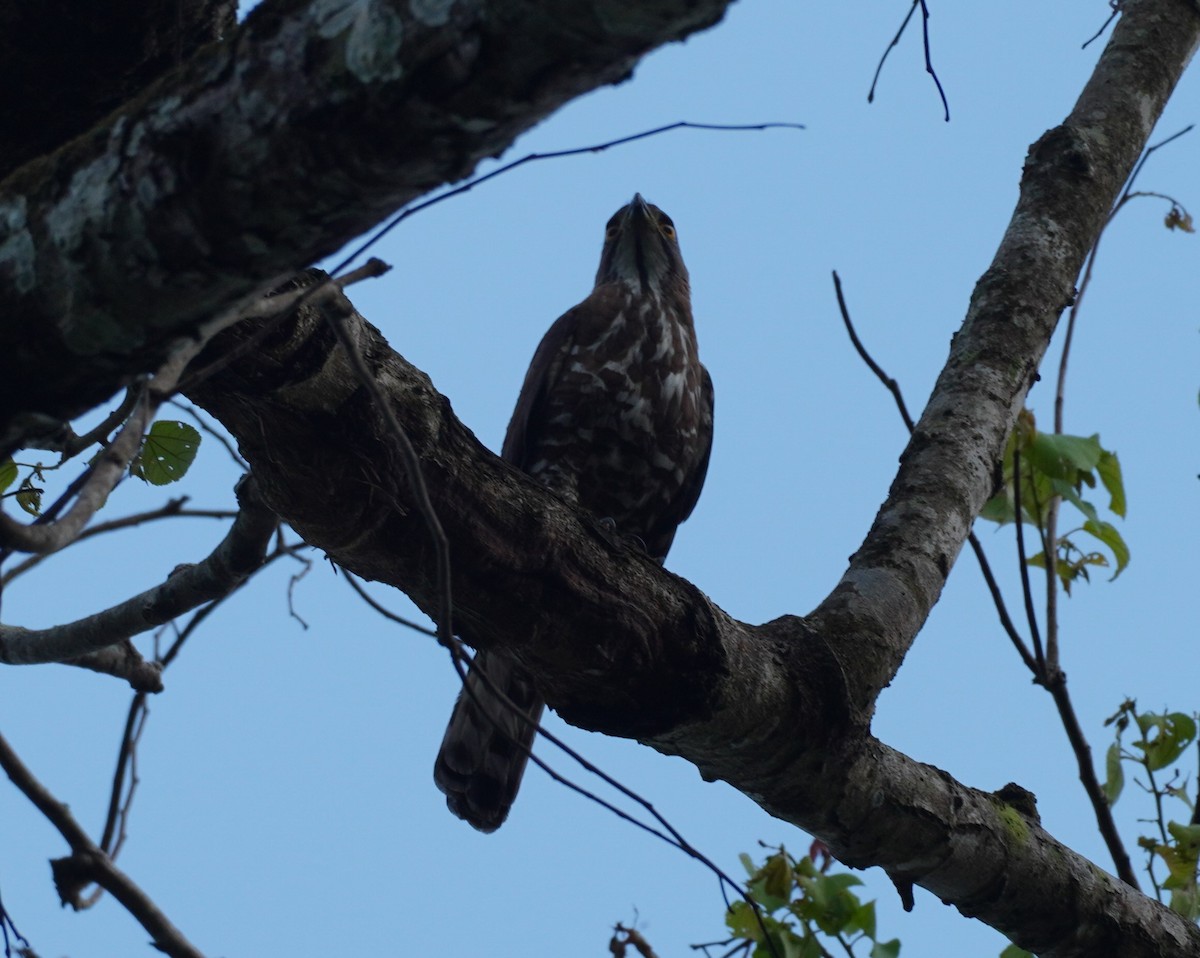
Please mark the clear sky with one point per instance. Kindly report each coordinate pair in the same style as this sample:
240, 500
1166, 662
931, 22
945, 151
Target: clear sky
286, 805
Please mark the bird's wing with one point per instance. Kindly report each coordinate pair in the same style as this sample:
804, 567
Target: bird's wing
690, 493
543, 372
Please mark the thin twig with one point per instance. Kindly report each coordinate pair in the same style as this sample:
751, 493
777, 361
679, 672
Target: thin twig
352, 581
928, 56
408, 211
1002, 610
1035, 635
120, 795
1115, 5
205, 426
891, 46
889, 383
77, 444
1057, 686
173, 508
7, 925
335, 308
929, 59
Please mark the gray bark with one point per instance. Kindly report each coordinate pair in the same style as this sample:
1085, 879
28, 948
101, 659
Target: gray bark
782, 710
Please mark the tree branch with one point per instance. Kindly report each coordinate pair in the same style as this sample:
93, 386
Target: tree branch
238, 555
782, 710
661, 662
88, 864
358, 109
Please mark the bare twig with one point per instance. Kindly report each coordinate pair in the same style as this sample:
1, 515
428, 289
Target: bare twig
889, 48
889, 383
206, 427
928, 57
352, 581
408, 211
1039, 654
77, 444
173, 508
1115, 6
6, 926
293, 581
1001, 609
335, 308
88, 863
125, 777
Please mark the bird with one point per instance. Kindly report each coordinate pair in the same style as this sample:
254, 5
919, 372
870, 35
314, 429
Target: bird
615, 416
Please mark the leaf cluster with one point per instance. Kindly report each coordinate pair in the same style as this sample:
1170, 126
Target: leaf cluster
166, 453
802, 905
1040, 468
1162, 738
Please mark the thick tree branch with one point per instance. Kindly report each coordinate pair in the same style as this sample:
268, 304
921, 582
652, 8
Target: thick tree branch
781, 711
107, 247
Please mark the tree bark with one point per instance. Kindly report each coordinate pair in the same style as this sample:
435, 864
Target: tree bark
186, 199
782, 710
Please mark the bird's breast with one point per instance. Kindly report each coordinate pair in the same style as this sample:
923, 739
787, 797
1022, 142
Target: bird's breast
623, 415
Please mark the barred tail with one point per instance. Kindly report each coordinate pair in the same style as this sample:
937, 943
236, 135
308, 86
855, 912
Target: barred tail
486, 746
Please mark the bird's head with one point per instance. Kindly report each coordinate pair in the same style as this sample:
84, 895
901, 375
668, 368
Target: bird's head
641, 249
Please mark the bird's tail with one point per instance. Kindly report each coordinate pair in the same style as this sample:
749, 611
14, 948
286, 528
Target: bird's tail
487, 744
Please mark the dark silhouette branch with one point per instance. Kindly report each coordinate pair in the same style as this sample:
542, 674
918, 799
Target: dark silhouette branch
928, 55
89, 864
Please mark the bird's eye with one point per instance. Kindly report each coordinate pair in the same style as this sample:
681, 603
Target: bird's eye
610, 231
667, 229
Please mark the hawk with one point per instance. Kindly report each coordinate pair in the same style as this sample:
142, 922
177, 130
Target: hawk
615, 416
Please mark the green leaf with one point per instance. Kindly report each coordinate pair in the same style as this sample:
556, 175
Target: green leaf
1064, 457
999, 508
742, 922
1114, 780
1012, 951
1186, 902
168, 450
886, 949
29, 496
863, 920
1166, 736
8, 473
1108, 534
1109, 468
1067, 491
776, 881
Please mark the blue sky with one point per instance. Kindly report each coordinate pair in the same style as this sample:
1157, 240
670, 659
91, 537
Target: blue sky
286, 804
